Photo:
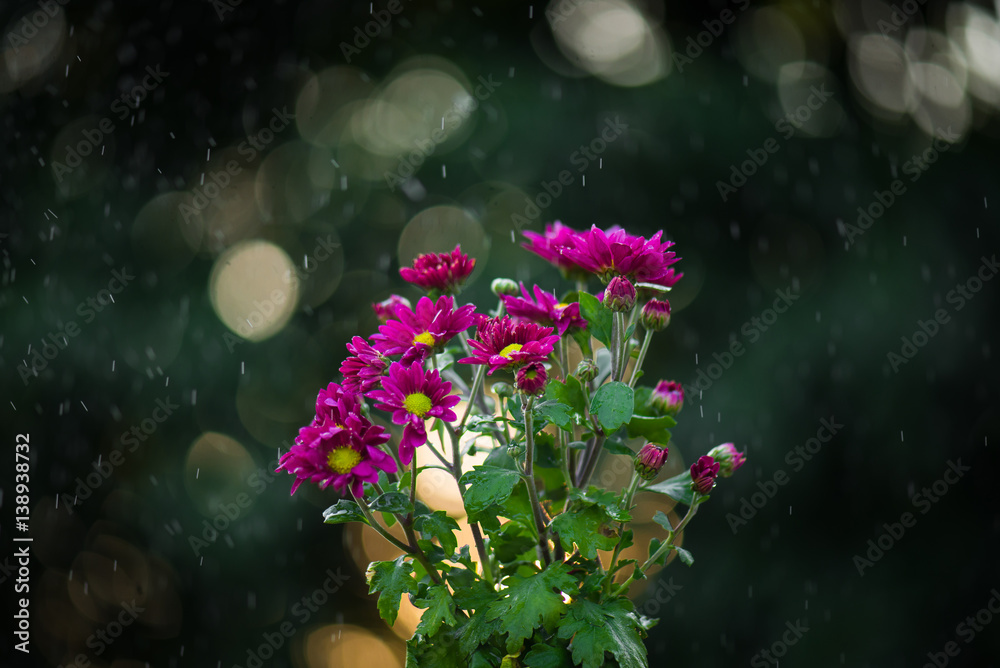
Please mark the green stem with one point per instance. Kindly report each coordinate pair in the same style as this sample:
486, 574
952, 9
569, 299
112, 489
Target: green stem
642, 357
527, 402
629, 495
668, 544
378, 527
477, 383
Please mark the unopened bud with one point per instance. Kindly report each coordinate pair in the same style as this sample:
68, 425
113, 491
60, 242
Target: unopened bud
620, 294
650, 460
655, 315
503, 390
729, 458
504, 286
586, 370
703, 474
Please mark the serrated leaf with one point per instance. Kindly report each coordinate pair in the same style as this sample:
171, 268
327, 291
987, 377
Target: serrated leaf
598, 317
478, 631
470, 592
581, 525
440, 609
343, 511
685, 556
612, 404
530, 602
391, 579
596, 629
677, 488
392, 502
558, 414
488, 485
616, 447
569, 393
440, 526
547, 656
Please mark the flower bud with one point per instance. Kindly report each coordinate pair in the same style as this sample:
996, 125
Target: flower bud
667, 397
650, 460
655, 315
504, 286
530, 378
386, 310
729, 458
503, 390
620, 294
703, 474
586, 370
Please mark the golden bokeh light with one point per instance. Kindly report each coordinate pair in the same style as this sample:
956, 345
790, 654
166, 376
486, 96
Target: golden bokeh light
339, 645
254, 289
33, 43
216, 471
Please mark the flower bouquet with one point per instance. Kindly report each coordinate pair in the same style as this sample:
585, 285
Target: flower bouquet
533, 589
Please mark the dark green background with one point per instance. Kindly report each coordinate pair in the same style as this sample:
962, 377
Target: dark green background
827, 356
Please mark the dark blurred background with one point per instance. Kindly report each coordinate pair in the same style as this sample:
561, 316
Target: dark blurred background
201, 200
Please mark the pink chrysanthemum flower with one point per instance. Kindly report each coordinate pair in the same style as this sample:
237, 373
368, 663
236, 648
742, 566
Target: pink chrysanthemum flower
618, 253
531, 378
500, 343
385, 310
414, 395
545, 309
339, 447
443, 272
667, 397
550, 247
366, 366
729, 458
415, 334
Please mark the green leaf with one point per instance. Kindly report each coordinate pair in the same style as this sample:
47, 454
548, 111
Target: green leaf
478, 632
547, 656
511, 542
344, 511
558, 414
655, 429
392, 579
685, 556
662, 520
598, 317
470, 592
488, 485
582, 525
569, 393
616, 447
440, 526
437, 651
677, 488
610, 501
596, 629
392, 502
530, 602
440, 609
612, 405
582, 338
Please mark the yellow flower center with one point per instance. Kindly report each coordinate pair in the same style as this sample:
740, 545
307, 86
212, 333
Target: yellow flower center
425, 338
343, 459
512, 348
561, 306
417, 403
